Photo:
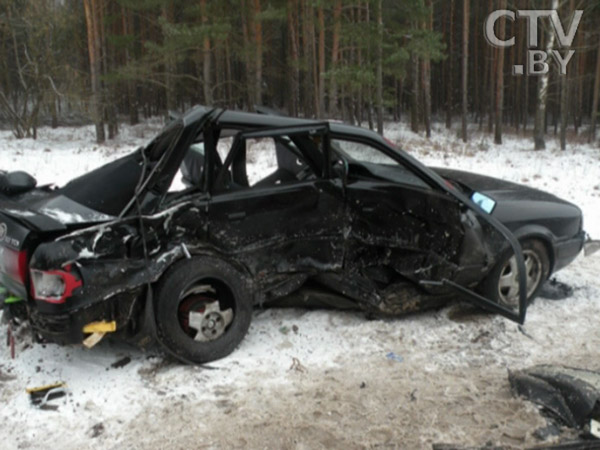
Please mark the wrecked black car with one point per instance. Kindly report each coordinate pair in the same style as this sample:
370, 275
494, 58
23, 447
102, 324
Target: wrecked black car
226, 210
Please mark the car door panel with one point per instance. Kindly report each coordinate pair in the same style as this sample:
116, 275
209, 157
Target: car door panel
295, 226
413, 221
418, 232
290, 228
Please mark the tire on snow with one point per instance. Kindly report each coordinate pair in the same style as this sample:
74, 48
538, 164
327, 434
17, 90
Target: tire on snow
232, 290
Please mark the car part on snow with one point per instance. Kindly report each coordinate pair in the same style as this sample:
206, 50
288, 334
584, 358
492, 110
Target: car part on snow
97, 331
553, 289
570, 395
121, 362
394, 357
93, 339
40, 396
590, 246
100, 327
580, 444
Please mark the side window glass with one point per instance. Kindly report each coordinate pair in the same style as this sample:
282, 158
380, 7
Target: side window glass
224, 144
362, 152
261, 159
369, 162
268, 161
191, 171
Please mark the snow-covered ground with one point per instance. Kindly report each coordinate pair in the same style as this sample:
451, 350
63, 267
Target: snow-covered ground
316, 379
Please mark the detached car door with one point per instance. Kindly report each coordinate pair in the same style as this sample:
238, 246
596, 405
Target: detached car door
272, 205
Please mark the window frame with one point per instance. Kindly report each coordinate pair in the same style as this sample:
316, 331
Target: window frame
274, 132
387, 152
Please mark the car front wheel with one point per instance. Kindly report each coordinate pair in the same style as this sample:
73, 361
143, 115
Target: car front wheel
203, 309
502, 284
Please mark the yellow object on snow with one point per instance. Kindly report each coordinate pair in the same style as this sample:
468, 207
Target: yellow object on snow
100, 327
45, 388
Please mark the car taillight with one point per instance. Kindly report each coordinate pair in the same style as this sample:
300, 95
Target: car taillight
53, 286
13, 263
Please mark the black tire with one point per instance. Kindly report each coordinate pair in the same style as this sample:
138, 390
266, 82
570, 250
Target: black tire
532, 248
232, 290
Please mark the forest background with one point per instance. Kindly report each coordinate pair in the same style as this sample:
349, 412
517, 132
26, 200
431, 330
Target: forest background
359, 61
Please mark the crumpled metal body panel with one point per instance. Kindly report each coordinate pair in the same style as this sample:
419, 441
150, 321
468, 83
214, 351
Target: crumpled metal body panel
111, 257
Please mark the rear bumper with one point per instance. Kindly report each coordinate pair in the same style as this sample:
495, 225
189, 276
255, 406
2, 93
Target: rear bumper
59, 328
66, 327
567, 250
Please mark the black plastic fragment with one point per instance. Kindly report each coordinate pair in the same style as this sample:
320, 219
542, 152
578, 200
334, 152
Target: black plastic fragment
570, 395
121, 362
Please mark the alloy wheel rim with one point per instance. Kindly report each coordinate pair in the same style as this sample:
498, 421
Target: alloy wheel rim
508, 284
200, 314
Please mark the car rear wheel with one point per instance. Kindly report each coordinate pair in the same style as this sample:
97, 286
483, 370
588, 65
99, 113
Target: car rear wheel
203, 309
502, 284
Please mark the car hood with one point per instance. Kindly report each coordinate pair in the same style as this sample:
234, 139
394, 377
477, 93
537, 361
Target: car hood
519, 206
499, 190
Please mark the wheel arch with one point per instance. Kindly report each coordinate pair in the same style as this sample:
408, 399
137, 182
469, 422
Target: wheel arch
542, 234
203, 252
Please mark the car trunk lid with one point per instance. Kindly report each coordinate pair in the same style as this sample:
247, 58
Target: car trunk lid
24, 221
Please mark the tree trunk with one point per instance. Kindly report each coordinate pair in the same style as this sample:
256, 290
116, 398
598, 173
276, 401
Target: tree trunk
228, 72
335, 52
258, 42
564, 106
250, 96
321, 18
127, 23
171, 100
110, 108
380, 67
414, 111
294, 70
307, 59
475, 44
310, 16
91, 19
206, 57
500, 80
578, 116
54, 110
596, 94
465, 68
449, 82
542, 96
358, 102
